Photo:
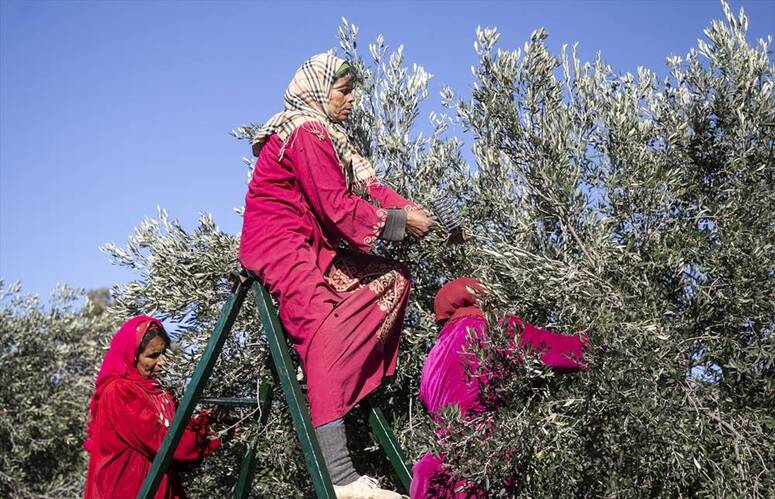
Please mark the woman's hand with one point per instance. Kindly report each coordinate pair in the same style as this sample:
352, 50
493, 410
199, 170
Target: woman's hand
418, 223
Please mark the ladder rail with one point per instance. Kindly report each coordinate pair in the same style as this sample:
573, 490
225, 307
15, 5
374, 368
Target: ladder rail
163, 458
297, 406
248, 465
389, 443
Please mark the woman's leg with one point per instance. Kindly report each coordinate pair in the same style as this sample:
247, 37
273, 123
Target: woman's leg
333, 443
356, 346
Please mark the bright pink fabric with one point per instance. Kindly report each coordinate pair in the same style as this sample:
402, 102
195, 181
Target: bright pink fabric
129, 414
444, 382
430, 480
385, 197
561, 352
297, 210
356, 346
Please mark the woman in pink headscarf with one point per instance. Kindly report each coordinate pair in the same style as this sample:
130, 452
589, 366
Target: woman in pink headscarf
129, 416
444, 381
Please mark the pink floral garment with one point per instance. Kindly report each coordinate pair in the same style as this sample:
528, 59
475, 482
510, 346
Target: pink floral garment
343, 318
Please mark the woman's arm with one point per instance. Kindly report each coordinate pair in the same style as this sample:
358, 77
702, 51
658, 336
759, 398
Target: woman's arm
386, 197
416, 221
323, 184
563, 353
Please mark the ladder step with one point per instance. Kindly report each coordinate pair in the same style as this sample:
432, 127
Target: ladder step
204, 368
229, 402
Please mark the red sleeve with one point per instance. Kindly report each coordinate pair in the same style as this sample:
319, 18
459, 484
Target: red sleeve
136, 421
321, 179
387, 197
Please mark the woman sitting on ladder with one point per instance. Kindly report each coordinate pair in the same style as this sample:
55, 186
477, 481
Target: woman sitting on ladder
343, 309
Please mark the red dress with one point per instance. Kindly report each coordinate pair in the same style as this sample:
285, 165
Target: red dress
342, 309
129, 418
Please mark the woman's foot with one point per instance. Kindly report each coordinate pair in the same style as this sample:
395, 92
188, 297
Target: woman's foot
364, 487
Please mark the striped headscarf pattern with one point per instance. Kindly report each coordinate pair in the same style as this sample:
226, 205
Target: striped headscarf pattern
306, 100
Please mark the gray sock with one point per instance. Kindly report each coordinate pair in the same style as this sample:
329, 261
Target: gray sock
333, 442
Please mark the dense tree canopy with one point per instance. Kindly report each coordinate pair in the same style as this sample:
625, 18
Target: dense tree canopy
48, 360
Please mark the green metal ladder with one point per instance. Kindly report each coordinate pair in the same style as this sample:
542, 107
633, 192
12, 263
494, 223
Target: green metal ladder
286, 373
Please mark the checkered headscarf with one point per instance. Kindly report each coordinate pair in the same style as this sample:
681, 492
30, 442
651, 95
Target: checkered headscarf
306, 99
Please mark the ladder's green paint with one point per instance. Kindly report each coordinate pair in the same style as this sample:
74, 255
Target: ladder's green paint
285, 373
296, 404
161, 462
390, 445
248, 466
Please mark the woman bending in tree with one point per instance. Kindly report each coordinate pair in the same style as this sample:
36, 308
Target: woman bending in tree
130, 414
343, 309
444, 381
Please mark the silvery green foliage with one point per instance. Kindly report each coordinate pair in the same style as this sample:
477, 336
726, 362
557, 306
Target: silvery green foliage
639, 211
631, 207
49, 356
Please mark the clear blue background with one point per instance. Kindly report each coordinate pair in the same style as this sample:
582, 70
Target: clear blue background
110, 109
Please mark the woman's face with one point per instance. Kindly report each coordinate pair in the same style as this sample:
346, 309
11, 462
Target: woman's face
340, 100
150, 360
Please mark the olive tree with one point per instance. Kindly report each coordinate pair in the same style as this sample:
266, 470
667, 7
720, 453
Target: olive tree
636, 208
49, 356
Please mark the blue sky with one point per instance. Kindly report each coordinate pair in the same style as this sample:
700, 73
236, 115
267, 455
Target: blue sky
110, 109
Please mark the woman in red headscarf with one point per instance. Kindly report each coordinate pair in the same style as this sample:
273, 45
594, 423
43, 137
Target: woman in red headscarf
129, 416
444, 381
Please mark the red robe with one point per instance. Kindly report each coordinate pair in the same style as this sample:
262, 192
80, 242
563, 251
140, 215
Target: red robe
342, 310
129, 418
